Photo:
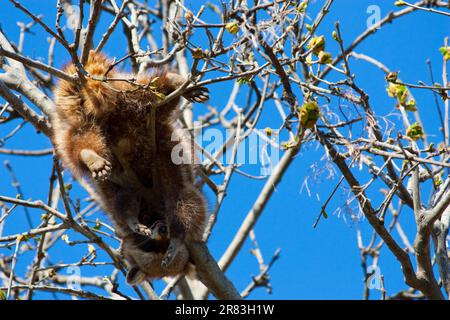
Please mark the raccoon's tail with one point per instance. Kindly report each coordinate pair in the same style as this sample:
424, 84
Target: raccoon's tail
99, 96
94, 96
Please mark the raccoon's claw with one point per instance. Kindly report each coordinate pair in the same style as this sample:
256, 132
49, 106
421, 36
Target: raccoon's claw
168, 258
142, 230
198, 95
101, 170
99, 167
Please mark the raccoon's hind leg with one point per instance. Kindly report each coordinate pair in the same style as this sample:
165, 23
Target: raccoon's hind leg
87, 149
83, 150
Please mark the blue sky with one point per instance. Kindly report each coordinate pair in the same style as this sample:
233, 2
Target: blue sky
321, 263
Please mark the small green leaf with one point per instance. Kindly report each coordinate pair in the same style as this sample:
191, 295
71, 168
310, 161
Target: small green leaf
160, 95
232, 27
316, 44
411, 105
437, 180
197, 53
302, 6
268, 131
309, 114
415, 131
335, 36
398, 91
325, 57
445, 52
244, 80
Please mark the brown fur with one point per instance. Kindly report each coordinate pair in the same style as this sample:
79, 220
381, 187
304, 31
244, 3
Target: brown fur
102, 131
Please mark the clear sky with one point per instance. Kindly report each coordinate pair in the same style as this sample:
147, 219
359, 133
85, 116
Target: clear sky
321, 263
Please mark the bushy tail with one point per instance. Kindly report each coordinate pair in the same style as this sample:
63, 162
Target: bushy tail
95, 96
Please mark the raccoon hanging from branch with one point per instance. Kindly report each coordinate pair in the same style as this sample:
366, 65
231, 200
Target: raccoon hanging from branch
119, 136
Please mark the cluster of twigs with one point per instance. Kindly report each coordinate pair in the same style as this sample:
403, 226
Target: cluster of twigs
271, 54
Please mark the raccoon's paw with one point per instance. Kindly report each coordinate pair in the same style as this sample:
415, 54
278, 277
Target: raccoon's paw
174, 246
135, 276
200, 94
99, 167
142, 229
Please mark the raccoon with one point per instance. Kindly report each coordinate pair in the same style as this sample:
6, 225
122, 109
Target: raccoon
115, 134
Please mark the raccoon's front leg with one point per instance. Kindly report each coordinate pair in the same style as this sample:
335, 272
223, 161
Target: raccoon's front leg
99, 167
138, 227
177, 234
175, 245
127, 207
186, 219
